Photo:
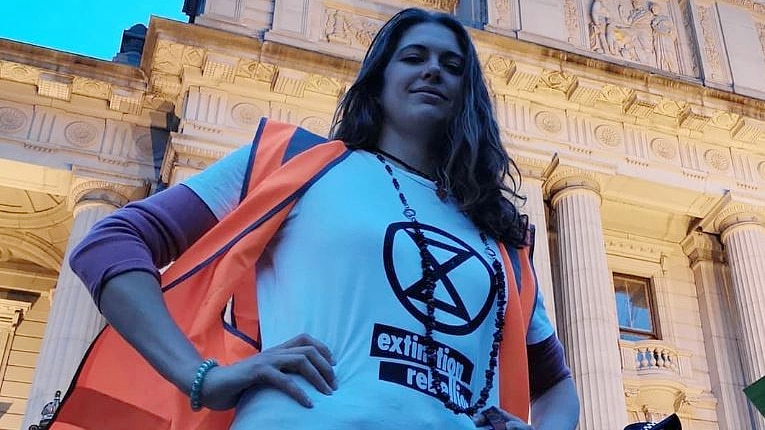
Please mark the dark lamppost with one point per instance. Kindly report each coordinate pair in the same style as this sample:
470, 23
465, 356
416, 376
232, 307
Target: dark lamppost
47, 413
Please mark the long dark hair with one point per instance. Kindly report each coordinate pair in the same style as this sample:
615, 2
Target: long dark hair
473, 165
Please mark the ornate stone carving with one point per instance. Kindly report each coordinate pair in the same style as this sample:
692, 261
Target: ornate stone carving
316, 125
290, 82
694, 121
167, 57
499, 66
717, 159
664, 148
81, 134
638, 31
348, 29
556, 80
246, 114
125, 100
615, 94
162, 83
753, 5
442, 5
55, 86
671, 107
725, 119
709, 34
640, 108
700, 246
90, 87
265, 72
665, 47
12, 119
585, 93
607, 135
761, 34
761, 169
19, 73
324, 85
193, 56
219, 67
571, 13
113, 193
738, 213
571, 178
503, 11
747, 130
252, 69
548, 122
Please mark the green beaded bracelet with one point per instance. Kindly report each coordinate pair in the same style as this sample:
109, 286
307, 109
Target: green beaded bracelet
196, 387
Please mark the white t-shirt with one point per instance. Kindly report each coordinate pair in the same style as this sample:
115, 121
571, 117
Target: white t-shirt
344, 269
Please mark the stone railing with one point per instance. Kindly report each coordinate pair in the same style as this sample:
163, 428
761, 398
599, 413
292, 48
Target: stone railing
654, 357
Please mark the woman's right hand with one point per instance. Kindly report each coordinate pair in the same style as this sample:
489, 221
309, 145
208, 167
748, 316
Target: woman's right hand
303, 355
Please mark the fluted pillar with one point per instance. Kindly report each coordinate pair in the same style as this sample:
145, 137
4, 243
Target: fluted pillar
535, 208
743, 234
720, 339
587, 303
74, 320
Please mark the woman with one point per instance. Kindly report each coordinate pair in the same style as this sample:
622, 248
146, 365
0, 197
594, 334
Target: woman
382, 299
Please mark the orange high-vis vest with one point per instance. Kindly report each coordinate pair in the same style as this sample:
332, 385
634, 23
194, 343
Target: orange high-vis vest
116, 389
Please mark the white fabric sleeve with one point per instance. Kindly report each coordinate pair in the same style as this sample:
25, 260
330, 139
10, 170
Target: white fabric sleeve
220, 185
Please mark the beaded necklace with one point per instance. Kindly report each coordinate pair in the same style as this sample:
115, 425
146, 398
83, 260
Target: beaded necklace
497, 280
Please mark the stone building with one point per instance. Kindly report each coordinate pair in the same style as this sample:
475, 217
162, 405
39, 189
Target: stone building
637, 125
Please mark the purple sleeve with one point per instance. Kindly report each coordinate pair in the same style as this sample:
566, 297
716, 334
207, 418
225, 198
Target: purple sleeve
547, 365
141, 236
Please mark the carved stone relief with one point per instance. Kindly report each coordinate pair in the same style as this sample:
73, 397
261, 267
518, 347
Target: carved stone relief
761, 169
324, 85
761, 34
571, 11
246, 114
442, 5
90, 87
548, 122
19, 73
81, 134
709, 36
316, 125
664, 148
344, 28
607, 136
12, 119
717, 159
636, 30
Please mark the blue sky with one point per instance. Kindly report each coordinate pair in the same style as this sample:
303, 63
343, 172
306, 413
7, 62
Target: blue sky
86, 27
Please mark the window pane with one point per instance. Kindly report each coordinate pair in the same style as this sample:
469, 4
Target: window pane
633, 307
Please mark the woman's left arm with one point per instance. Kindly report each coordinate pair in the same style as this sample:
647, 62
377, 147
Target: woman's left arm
557, 408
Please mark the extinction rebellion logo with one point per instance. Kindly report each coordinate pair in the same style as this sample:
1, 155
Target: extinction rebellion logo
462, 302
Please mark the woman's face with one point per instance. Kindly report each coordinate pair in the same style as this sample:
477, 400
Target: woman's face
424, 78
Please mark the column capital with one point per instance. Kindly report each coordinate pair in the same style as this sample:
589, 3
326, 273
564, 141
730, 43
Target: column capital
734, 210
700, 246
189, 152
95, 187
565, 180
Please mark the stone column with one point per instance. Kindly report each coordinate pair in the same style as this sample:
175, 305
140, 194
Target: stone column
74, 320
587, 303
535, 208
717, 323
743, 234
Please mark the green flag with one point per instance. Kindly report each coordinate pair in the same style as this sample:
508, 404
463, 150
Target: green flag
756, 393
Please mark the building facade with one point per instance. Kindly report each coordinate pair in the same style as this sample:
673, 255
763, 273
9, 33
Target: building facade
637, 126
